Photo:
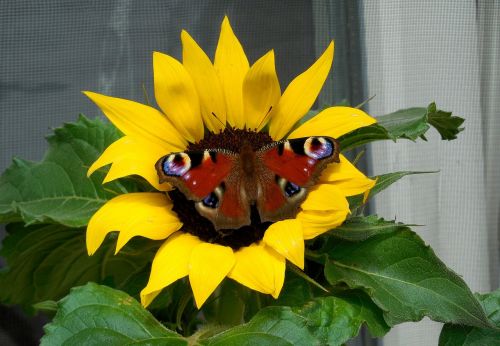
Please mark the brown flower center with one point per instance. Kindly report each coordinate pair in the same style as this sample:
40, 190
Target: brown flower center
195, 224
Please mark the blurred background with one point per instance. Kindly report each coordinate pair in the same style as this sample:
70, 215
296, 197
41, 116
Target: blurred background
407, 53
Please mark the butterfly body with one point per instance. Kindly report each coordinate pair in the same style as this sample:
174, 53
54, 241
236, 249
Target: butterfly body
225, 185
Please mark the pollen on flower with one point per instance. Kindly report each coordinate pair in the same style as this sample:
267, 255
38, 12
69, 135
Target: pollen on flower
232, 139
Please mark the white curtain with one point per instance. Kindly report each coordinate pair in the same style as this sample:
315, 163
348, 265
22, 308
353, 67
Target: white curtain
416, 52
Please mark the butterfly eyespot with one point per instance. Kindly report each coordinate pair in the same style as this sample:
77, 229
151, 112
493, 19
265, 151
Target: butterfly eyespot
318, 148
211, 201
176, 164
291, 189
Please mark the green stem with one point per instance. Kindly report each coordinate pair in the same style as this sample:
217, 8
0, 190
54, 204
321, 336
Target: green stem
303, 275
180, 311
314, 257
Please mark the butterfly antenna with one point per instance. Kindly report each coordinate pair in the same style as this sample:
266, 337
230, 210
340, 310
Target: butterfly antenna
265, 117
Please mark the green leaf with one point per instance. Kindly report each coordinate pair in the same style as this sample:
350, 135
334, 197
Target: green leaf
57, 189
363, 135
453, 335
383, 182
45, 261
410, 123
360, 228
228, 303
405, 279
323, 321
447, 125
99, 315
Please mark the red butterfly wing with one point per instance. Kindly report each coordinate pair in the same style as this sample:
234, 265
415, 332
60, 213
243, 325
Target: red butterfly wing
195, 173
292, 167
274, 198
301, 160
210, 179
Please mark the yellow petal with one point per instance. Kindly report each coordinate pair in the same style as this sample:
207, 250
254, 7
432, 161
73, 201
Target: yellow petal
208, 266
138, 120
300, 95
147, 299
259, 268
346, 177
171, 263
286, 238
315, 223
132, 156
231, 65
206, 82
324, 208
176, 95
324, 197
334, 122
146, 214
261, 91
366, 194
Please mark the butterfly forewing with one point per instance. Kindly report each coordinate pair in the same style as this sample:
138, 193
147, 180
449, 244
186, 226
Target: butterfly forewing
195, 173
301, 160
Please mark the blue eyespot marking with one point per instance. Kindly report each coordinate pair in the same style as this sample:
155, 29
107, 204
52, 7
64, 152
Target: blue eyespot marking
291, 189
318, 148
176, 164
211, 201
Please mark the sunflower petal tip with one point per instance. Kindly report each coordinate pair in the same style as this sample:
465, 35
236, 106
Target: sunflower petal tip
270, 54
107, 179
185, 36
199, 301
122, 240
157, 54
226, 25
299, 262
90, 94
94, 167
329, 50
144, 301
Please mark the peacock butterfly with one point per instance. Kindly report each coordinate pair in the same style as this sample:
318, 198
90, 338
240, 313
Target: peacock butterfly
225, 185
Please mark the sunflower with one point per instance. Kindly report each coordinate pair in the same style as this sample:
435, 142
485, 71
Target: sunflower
207, 105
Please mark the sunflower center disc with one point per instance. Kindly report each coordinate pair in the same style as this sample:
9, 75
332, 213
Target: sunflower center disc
194, 223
